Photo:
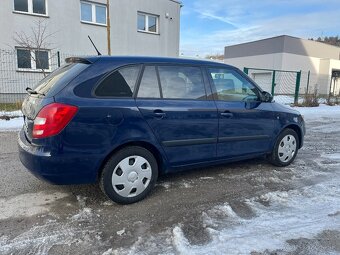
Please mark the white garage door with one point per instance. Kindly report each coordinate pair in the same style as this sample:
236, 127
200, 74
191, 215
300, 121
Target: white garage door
264, 80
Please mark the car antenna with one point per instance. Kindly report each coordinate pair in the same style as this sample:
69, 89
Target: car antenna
99, 54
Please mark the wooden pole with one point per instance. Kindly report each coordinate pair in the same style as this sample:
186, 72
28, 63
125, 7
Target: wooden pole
108, 27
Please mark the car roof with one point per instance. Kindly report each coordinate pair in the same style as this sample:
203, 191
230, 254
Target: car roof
141, 59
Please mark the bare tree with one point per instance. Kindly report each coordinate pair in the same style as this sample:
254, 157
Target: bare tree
215, 57
37, 40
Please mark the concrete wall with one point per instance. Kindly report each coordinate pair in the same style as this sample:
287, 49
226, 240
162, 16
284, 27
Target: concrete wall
71, 35
292, 54
283, 44
268, 61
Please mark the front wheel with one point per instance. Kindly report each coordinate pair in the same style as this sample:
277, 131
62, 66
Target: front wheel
129, 175
285, 149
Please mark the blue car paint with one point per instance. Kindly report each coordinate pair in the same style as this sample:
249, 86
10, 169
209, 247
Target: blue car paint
193, 133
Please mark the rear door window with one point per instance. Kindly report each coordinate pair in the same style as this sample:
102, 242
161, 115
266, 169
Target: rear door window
149, 86
120, 83
182, 82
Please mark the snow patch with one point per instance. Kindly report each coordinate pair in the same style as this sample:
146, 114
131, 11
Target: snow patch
285, 215
11, 113
84, 214
319, 113
334, 156
26, 205
206, 178
121, 232
14, 124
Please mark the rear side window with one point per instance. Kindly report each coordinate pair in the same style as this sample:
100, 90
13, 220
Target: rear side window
149, 87
120, 83
59, 78
182, 82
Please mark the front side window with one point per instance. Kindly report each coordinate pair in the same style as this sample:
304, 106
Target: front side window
93, 13
31, 6
148, 23
229, 85
120, 83
182, 82
33, 59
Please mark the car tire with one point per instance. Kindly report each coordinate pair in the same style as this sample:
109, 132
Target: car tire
129, 175
285, 148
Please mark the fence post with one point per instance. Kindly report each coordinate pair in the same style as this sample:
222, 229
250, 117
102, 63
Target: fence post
308, 81
58, 56
273, 83
246, 70
297, 88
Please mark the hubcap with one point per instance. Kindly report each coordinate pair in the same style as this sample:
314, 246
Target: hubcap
287, 148
131, 176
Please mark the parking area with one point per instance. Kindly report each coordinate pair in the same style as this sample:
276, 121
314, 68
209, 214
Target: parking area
242, 208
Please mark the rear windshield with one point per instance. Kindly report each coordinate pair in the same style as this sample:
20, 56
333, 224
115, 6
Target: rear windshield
59, 78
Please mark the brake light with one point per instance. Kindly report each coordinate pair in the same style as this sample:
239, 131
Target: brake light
52, 119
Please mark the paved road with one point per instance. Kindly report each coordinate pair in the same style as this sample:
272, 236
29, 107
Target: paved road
248, 206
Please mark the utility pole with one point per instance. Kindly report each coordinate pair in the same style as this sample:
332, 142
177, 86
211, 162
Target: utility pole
108, 27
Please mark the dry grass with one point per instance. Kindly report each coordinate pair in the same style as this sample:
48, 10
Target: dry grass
310, 100
10, 106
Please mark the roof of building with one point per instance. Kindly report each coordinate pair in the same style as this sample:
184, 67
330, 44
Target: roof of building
283, 44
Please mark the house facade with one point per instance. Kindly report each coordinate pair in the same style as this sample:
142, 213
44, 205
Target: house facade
137, 27
319, 62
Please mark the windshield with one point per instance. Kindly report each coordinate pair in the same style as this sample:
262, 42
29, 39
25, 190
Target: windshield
59, 79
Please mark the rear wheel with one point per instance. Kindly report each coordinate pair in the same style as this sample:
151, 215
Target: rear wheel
129, 175
285, 149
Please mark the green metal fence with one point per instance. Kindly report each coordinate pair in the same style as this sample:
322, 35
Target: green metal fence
283, 85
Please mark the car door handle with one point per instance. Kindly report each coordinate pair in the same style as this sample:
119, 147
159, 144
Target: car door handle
227, 114
159, 114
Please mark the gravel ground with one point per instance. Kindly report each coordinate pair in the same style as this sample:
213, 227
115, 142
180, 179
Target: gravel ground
242, 208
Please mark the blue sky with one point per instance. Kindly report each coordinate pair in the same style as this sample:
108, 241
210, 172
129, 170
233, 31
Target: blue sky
208, 26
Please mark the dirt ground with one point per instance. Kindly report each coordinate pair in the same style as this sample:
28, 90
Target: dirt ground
242, 208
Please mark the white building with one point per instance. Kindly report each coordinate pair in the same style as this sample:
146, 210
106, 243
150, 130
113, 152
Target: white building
138, 27
289, 53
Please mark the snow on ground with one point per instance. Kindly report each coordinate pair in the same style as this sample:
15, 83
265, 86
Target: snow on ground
11, 113
26, 205
280, 216
14, 124
320, 112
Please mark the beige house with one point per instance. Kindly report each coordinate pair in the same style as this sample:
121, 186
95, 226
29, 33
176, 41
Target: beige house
317, 61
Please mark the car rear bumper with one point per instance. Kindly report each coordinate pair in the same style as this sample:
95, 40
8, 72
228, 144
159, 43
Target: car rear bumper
56, 168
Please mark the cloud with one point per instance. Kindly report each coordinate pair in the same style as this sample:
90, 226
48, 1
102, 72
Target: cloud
257, 20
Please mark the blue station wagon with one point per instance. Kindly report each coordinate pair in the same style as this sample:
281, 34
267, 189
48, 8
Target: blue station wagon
122, 121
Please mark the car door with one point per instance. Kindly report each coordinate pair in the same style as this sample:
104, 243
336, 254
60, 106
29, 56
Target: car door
172, 99
246, 124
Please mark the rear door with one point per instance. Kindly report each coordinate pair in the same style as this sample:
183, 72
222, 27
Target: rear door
246, 124
172, 99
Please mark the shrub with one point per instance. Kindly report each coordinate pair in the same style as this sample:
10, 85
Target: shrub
310, 100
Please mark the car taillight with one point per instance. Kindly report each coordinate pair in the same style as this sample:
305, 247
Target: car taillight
52, 119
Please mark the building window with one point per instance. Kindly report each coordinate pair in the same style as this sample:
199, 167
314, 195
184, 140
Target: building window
33, 60
93, 13
148, 23
36, 7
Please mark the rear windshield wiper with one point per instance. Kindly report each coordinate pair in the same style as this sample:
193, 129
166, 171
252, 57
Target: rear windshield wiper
33, 92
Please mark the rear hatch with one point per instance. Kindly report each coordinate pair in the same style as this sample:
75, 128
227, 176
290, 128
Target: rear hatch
43, 93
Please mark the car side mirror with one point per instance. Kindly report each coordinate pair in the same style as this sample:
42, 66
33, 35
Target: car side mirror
267, 97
